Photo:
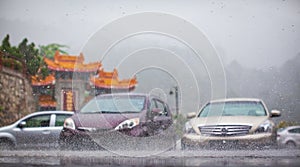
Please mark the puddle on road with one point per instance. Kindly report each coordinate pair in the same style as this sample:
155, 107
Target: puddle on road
147, 161
170, 158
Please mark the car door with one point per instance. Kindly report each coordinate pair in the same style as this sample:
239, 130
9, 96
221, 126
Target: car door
295, 135
159, 121
56, 125
164, 119
34, 132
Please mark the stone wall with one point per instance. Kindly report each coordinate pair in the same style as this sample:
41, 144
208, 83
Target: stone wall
16, 99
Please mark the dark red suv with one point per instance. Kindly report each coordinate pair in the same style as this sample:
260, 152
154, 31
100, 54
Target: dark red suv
117, 119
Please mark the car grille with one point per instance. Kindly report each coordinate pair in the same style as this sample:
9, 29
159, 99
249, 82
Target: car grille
225, 130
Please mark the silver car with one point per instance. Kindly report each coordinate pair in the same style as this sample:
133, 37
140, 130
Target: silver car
36, 130
289, 137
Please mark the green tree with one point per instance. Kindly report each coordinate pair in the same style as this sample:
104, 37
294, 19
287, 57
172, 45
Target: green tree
31, 56
49, 50
29, 53
7, 48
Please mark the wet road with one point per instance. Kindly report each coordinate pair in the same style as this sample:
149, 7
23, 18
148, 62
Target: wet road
280, 157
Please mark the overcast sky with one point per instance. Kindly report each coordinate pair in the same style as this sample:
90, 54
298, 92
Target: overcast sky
256, 33
163, 43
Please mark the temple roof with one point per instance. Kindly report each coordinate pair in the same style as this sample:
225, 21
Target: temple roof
49, 80
46, 101
71, 63
110, 80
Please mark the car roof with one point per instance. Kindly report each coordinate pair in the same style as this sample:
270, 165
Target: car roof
52, 112
124, 94
130, 94
291, 127
235, 100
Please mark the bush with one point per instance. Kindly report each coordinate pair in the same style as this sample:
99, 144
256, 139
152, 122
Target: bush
284, 124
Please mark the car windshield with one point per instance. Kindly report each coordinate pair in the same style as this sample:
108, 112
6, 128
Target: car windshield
115, 104
243, 108
281, 129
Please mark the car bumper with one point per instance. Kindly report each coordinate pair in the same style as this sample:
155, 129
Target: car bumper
190, 141
98, 139
76, 140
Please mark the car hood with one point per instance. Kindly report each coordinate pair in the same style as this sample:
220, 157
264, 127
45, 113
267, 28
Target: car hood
253, 121
7, 128
102, 121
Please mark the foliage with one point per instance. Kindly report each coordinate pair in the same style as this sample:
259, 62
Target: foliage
12, 63
179, 122
32, 56
49, 50
284, 124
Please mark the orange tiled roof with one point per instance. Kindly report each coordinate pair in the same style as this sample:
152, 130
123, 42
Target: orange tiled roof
71, 63
110, 80
49, 80
46, 101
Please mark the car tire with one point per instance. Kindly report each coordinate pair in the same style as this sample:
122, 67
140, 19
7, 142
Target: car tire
6, 144
290, 145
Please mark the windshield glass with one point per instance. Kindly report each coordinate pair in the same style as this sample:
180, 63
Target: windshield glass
115, 104
243, 108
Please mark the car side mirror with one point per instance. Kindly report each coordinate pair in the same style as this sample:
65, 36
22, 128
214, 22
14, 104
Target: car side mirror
22, 124
157, 111
275, 113
190, 115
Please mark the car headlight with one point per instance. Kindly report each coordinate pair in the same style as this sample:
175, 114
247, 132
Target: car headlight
128, 124
266, 126
69, 123
189, 128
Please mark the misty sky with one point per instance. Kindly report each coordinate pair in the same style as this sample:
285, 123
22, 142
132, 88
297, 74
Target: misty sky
163, 43
257, 34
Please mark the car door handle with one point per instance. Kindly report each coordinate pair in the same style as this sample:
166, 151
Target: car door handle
46, 131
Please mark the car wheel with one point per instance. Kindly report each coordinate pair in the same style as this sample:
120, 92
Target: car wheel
6, 144
290, 145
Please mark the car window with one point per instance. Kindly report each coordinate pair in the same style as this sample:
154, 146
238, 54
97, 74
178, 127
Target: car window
280, 129
246, 108
297, 130
161, 106
60, 118
152, 104
38, 121
115, 104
